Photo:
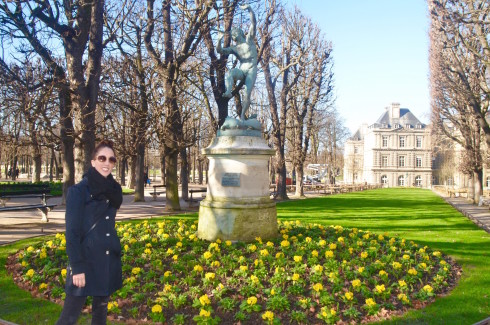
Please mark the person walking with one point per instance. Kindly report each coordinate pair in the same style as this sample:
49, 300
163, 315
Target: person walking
92, 244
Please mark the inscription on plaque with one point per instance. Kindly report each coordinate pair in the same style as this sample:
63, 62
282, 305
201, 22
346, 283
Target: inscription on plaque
230, 179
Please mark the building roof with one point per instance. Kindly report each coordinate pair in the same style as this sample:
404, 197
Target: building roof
406, 118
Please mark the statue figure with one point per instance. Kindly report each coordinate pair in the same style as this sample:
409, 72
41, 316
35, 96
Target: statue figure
246, 52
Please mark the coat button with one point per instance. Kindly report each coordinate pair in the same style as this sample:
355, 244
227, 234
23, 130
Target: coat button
107, 217
107, 252
107, 234
107, 201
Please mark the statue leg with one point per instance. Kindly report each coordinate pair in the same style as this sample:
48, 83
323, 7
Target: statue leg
229, 82
245, 100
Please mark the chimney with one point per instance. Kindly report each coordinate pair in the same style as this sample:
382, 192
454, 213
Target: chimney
395, 110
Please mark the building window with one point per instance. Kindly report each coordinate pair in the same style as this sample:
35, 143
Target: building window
401, 161
488, 181
418, 181
418, 142
357, 163
355, 177
401, 181
385, 141
402, 141
384, 161
356, 150
418, 161
384, 179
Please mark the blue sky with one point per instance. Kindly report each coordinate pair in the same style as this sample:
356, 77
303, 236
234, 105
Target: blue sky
380, 50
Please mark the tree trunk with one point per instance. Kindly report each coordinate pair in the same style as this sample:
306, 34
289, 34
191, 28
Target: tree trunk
36, 159
139, 170
172, 184
299, 181
132, 172
184, 174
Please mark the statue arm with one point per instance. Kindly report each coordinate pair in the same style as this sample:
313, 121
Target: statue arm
253, 22
219, 48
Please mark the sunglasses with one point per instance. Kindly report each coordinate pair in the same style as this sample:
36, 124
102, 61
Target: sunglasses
104, 158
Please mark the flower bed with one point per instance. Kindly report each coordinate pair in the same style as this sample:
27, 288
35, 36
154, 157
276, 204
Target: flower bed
309, 274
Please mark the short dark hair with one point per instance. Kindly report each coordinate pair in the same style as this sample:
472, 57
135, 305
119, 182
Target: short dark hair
103, 144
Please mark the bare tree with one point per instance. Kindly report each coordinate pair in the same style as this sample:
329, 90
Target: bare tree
176, 50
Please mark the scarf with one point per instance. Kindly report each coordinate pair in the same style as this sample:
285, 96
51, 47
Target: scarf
101, 187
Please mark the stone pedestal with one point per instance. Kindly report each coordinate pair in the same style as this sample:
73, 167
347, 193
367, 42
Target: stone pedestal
237, 206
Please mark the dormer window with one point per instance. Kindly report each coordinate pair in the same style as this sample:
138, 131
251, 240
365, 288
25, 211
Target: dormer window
396, 126
408, 126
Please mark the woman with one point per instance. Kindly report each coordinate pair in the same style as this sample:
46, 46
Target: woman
92, 245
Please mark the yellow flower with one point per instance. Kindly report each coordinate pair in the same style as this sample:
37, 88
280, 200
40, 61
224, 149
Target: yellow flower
252, 301
63, 272
340, 239
112, 305
30, 249
284, 243
370, 302
308, 239
364, 254
30, 273
273, 292
147, 251
209, 276
24, 263
349, 295
198, 268
269, 244
402, 283
356, 283
403, 297
204, 313
268, 316
406, 257
423, 265
295, 277
279, 255
382, 273
254, 279
167, 274
243, 268
436, 254
156, 309
314, 253
442, 262
427, 288
207, 255
175, 257
216, 264
126, 247
167, 288
361, 269
333, 312
322, 243
381, 237
318, 287
258, 239
228, 243
351, 250
204, 300
264, 252
332, 246
380, 288
328, 254
43, 254
298, 259
318, 268
43, 286
412, 271
170, 251
396, 265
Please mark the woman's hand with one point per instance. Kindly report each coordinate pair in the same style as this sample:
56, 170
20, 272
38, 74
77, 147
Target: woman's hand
79, 280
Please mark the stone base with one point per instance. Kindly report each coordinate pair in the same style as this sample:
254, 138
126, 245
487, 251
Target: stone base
237, 219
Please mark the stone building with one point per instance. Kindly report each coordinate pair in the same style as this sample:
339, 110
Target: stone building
393, 151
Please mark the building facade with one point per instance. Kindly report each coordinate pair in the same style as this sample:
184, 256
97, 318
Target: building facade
393, 151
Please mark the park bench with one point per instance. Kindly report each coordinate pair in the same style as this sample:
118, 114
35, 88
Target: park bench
155, 193
16, 191
457, 191
484, 201
196, 190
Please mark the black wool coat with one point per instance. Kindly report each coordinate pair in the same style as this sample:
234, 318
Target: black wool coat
96, 253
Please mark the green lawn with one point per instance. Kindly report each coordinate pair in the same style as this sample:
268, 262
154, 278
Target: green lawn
414, 214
